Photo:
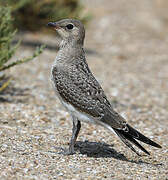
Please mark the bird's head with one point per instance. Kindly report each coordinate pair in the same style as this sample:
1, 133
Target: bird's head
70, 30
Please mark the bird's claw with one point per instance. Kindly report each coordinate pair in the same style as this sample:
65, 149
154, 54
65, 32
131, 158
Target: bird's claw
66, 152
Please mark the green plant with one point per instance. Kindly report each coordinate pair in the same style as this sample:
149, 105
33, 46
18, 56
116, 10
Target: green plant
7, 50
34, 14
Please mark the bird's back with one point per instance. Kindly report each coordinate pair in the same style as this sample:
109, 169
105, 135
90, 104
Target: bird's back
76, 85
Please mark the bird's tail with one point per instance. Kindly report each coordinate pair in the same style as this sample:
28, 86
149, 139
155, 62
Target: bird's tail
130, 135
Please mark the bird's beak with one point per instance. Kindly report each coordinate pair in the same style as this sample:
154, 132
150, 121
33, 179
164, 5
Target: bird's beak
54, 25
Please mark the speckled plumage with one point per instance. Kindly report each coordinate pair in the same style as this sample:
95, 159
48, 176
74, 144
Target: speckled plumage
80, 92
76, 85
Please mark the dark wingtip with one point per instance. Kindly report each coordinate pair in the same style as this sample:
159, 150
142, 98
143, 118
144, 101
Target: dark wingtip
133, 134
146, 152
158, 146
137, 135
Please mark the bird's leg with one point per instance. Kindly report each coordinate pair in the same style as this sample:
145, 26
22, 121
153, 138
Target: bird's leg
75, 132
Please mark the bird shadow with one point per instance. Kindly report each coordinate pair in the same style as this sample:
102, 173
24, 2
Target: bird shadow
104, 150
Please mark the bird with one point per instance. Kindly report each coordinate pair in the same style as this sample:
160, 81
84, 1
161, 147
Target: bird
81, 94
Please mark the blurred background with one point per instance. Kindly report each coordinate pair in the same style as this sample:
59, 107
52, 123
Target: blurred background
126, 48
33, 15
30, 16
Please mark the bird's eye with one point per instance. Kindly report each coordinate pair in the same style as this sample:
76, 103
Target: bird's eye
69, 26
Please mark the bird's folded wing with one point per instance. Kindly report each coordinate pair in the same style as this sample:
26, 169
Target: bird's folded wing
82, 90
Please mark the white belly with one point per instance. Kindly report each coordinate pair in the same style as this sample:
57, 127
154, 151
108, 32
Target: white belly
79, 115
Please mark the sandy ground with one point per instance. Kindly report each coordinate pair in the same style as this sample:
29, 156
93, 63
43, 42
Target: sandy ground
126, 44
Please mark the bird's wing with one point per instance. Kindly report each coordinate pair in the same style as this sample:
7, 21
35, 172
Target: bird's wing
77, 86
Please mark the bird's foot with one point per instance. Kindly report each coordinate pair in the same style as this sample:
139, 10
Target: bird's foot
66, 152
